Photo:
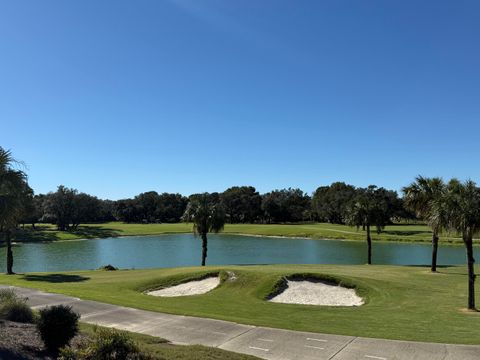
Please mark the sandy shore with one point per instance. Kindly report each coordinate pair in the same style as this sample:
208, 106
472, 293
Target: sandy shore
317, 293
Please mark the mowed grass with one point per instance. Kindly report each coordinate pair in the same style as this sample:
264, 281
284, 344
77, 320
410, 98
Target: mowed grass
161, 349
409, 233
406, 303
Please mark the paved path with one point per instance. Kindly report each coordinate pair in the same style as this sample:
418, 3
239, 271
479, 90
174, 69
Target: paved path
263, 342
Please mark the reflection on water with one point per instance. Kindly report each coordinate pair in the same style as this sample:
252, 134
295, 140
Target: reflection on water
185, 250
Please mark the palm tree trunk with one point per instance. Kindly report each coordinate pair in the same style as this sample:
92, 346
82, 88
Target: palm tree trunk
369, 245
434, 252
471, 273
8, 240
204, 248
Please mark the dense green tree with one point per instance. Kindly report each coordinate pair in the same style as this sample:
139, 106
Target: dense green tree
243, 204
170, 207
370, 207
207, 215
286, 205
461, 204
422, 196
126, 210
59, 207
13, 193
329, 203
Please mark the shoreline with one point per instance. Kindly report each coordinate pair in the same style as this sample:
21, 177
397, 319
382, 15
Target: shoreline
398, 241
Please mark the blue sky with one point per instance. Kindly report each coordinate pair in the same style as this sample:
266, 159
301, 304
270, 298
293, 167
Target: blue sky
119, 97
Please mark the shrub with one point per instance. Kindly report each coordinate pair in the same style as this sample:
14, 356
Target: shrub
108, 267
14, 308
57, 325
106, 344
7, 295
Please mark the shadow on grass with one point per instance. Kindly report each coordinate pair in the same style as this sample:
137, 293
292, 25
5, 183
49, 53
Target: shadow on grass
92, 232
44, 234
406, 233
55, 278
429, 266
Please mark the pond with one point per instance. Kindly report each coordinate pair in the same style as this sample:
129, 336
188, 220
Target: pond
138, 252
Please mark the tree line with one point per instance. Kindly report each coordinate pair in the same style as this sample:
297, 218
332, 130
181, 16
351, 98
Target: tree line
446, 207
67, 208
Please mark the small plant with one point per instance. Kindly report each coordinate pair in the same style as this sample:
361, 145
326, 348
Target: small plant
57, 325
14, 308
108, 267
7, 295
106, 344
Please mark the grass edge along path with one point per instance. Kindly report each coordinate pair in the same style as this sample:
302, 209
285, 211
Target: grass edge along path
399, 233
162, 349
402, 303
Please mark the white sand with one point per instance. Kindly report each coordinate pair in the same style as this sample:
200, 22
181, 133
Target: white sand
196, 287
317, 293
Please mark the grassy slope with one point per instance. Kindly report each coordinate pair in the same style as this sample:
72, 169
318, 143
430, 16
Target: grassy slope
161, 349
411, 233
406, 303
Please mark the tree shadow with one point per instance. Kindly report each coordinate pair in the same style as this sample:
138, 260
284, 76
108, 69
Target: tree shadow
47, 234
92, 232
55, 278
406, 233
429, 266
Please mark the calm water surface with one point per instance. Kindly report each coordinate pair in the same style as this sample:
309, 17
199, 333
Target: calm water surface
185, 250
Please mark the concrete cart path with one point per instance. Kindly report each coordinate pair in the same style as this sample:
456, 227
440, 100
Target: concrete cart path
267, 343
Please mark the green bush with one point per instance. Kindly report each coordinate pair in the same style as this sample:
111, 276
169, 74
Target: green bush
14, 308
7, 295
106, 344
57, 325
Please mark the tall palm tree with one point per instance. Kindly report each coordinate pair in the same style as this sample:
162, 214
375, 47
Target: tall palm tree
207, 216
12, 190
462, 206
368, 209
420, 197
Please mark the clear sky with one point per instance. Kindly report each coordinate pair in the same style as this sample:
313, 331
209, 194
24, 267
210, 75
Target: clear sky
119, 97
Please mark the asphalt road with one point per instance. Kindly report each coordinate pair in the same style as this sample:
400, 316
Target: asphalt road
267, 343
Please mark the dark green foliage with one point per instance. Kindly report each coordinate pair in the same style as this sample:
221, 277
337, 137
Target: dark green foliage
243, 204
207, 215
287, 205
14, 308
329, 203
57, 325
370, 207
150, 207
106, 344
108, 268
67, 208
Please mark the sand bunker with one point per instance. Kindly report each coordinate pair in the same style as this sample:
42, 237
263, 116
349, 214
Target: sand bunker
317, 293
196, 287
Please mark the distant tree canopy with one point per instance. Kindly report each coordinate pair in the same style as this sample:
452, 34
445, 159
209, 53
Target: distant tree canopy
242, 204
67, 208
150, 207
329, 203
287, 205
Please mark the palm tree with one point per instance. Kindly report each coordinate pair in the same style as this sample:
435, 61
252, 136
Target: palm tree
368, 208
420, 197
207, 216
462, 206
12, 189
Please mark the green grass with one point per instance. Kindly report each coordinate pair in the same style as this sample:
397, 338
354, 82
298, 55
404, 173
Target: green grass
409, 233
161, 349
407, 303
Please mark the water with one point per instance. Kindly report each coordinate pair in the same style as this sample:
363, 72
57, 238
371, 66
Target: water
185, 250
